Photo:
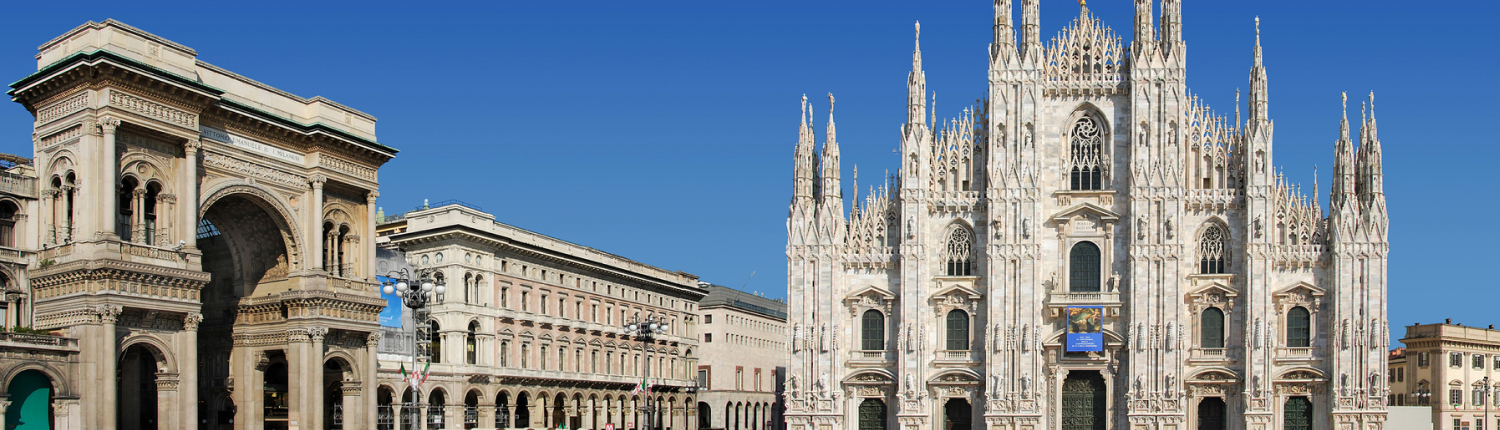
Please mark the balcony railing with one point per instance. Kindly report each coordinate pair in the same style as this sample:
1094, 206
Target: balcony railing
38, 340
956, 355
878, 355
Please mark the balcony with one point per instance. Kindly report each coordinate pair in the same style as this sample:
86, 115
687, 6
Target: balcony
1212, 356
876, 357
1287, 355
1058, 301
957, 357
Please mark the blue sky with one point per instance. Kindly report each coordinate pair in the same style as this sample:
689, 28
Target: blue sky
663, 131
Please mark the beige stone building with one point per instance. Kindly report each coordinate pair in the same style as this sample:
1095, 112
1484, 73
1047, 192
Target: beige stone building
1453, 369
197, 234
530, 332
741, 363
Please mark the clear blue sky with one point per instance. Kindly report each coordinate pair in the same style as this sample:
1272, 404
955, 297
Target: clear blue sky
663, 131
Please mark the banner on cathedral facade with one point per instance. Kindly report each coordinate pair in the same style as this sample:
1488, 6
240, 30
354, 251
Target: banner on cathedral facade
1085, 328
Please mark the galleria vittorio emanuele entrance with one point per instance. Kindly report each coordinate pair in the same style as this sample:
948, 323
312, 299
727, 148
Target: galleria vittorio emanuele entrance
214, 253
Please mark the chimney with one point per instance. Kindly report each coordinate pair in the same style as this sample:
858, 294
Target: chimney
1448, 321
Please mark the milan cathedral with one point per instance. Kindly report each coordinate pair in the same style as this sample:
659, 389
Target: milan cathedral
1089, 247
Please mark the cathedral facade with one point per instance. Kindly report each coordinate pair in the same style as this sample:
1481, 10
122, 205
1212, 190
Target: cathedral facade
1089, 247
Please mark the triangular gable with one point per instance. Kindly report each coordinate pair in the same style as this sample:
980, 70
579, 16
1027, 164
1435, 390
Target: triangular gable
1213, 287
1312, 290
957, 288
1103, 214
871, 291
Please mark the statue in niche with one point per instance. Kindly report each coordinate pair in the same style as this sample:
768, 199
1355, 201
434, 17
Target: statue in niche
797, 337
1114, 282
823, 385
1025, 387
1258, 226
1140, 227
911, 228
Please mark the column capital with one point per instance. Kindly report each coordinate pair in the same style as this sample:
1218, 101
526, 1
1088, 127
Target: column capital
373, 338
317, 333
298, 335
317, 181
108, 314
370, 196
192, 145
107, 124
191, 321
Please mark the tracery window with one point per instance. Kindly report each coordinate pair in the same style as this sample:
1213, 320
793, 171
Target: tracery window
958, 252
958, 330
1298, 328
1084, 268
1212, 324
872, 337
1086, 163
1211, 250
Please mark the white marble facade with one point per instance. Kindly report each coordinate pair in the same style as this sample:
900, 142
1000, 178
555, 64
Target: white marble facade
1088, 176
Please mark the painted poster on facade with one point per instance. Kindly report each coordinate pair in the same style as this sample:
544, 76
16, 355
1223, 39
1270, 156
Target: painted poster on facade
1086, 328
391, 315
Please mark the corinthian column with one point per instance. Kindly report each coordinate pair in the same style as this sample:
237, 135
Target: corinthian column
369, 244
106, 407
315, 222
189, 187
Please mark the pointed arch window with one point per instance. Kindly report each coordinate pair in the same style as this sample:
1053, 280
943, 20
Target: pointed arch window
1212, 247
958, 330
958, 253
1083, 268
872, 335
1086, 164
1298, 328
1212, 325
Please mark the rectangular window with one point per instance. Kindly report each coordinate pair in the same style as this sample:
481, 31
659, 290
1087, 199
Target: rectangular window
1455, 359
1401, 374
1478, 361
594, 313
1455, 397
708, 337
708, 319
525, 301
757, 379
544, 358
1422, 359
544, 304
703, 377
505, 297
739, 378
525, 355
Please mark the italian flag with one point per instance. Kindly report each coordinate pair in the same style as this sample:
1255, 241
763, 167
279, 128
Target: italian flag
416, 378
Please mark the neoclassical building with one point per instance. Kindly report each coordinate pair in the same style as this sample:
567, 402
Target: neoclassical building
531, 331
197, 239
1088, 247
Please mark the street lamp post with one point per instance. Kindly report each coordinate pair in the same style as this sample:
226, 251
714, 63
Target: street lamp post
415, 294
1483, 404
646, 330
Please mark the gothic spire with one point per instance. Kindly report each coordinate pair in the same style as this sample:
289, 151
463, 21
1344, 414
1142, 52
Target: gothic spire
832, 190
1005, 35
1031, 25
1171, 22
1343, 165
1145, 29
916, 86
1258, 90
1369, 163
803, 174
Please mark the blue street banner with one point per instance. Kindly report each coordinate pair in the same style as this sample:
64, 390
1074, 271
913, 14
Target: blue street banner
1085, 328
391, 315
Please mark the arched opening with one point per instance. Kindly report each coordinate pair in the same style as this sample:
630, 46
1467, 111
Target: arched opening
958, 330
1083, 401
275, 396
705, 416
434, 342
523, 411
1083, 268
575, 419
30, 396
136, 404
437, 404
471, 409
1213, 328
471, 349
125, 207
385, 415
1211, 413
410, 416
8, 212
872, 334
1297, 414
872, 415
1212, 250
959, 251
559, 416
148, 213
502, 410
245, 246
957, 414
335, 371
732, 416
1086, 163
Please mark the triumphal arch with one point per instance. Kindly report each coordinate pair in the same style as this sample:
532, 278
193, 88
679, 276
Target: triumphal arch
209, 239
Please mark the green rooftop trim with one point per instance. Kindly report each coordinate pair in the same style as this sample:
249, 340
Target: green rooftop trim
317, 126
99, 54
